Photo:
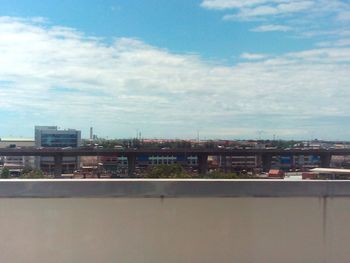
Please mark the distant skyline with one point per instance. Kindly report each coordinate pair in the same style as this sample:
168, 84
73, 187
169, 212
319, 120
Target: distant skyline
170, 69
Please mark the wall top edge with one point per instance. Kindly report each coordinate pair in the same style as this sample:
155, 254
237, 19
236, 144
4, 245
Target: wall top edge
172, 188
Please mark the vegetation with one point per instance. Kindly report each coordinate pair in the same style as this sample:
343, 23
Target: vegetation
209, 144
177, 171
5, 173
166, 171
29, 173
136, 143
222, 175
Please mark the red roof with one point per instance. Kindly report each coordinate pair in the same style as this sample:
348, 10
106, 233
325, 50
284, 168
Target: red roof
276, 172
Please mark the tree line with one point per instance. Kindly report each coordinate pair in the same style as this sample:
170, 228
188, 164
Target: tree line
26, 173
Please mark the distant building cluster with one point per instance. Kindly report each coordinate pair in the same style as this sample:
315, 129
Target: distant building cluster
53, 137
16, 163
44, 137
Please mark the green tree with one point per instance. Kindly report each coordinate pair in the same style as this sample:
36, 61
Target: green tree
5, 173
166, 171
29, 173
221, 175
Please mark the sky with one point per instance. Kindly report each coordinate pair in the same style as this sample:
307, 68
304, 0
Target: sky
223, 69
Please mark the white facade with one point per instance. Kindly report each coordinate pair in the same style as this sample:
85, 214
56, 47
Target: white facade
17, 163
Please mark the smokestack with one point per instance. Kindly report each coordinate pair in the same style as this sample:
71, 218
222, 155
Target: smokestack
91, 134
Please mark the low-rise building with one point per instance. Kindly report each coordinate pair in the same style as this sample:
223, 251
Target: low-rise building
17, 163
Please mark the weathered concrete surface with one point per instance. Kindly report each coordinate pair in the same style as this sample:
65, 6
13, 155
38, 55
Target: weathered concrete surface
309, 227
172, 188
263, 230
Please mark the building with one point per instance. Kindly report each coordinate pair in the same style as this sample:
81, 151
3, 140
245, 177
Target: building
16, 142
239, 163
306, 161
16, 163
51, 136
299, 162
233, 163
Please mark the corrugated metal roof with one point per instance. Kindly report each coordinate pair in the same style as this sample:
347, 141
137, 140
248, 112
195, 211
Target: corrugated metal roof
330, 171
17, 140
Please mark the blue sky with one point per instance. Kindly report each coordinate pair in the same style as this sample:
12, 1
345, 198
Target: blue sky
177, 25
226, 68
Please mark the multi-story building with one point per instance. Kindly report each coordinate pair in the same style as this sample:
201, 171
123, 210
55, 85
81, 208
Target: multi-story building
233, 163
239, 163
284, 163
306, 161
113, 163
145, 160
295, 162
51, 136
16, 163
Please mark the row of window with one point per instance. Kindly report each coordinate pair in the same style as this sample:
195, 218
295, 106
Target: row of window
153, 162
59, 140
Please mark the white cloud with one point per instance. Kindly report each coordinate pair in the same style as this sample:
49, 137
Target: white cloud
306, 17
272, 28
338, 43
344, 16
295, 6
343, 42
231, 4
61, 76
258, 7
271, 10
253, 56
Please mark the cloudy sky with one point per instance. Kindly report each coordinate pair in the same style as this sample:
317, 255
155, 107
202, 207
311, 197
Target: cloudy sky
223, 68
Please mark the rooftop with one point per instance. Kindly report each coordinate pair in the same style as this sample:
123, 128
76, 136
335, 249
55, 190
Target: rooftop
16, 139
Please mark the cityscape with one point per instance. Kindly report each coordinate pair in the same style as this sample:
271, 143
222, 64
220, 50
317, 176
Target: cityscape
61, 153
176, 131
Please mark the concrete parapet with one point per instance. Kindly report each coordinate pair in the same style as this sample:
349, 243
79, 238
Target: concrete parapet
48, 188
157, 221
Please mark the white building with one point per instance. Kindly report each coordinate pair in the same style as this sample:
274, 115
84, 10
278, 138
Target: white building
16, 163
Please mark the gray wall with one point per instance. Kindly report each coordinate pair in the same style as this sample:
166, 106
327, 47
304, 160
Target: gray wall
153, 229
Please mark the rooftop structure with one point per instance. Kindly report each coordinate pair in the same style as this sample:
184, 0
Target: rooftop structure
16, 142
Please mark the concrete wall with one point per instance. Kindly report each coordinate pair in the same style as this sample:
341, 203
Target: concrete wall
93, 228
